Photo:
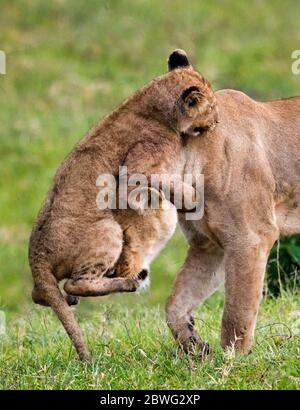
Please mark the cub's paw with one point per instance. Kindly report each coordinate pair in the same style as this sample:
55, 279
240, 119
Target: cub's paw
128, 266
72, 300
143, 280
124, 270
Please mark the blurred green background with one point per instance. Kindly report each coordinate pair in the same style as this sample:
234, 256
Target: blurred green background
71, 62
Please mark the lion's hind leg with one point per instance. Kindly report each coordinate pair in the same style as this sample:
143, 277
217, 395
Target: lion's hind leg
97, 252
39, 298
100, 286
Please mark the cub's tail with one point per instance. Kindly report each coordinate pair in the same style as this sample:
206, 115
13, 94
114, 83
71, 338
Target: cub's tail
46, 292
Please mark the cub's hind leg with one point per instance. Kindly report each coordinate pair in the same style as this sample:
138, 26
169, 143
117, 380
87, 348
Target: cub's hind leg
100, 252
97, 250
100, 286
38, 297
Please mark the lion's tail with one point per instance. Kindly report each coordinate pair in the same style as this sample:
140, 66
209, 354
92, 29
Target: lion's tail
46, 292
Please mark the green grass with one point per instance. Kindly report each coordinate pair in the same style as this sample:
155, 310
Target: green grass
132, 349
68, 64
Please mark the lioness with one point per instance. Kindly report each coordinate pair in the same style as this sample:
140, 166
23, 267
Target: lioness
251, 167
75, 240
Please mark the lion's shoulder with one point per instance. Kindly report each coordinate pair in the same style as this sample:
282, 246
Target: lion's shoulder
233, 95
235, 107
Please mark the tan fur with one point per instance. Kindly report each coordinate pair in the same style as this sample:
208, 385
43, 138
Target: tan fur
144, 236
251, 164
72, 239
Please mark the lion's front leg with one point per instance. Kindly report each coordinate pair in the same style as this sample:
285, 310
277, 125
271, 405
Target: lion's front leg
245, 268
129, 264
200, 275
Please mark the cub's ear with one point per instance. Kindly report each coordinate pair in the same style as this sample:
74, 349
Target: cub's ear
192, 96
178, 59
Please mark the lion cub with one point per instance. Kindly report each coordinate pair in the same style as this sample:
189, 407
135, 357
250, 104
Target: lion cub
144, 236
75, 240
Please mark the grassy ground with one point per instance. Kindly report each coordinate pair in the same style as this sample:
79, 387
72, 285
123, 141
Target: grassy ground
132, 349
69, 63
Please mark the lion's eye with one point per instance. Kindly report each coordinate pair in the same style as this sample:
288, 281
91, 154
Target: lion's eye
192, 102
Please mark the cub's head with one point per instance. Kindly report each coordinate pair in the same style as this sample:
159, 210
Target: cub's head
183, 98
196, 107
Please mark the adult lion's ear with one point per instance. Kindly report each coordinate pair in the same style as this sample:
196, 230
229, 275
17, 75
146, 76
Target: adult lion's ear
178, 59
192, 96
